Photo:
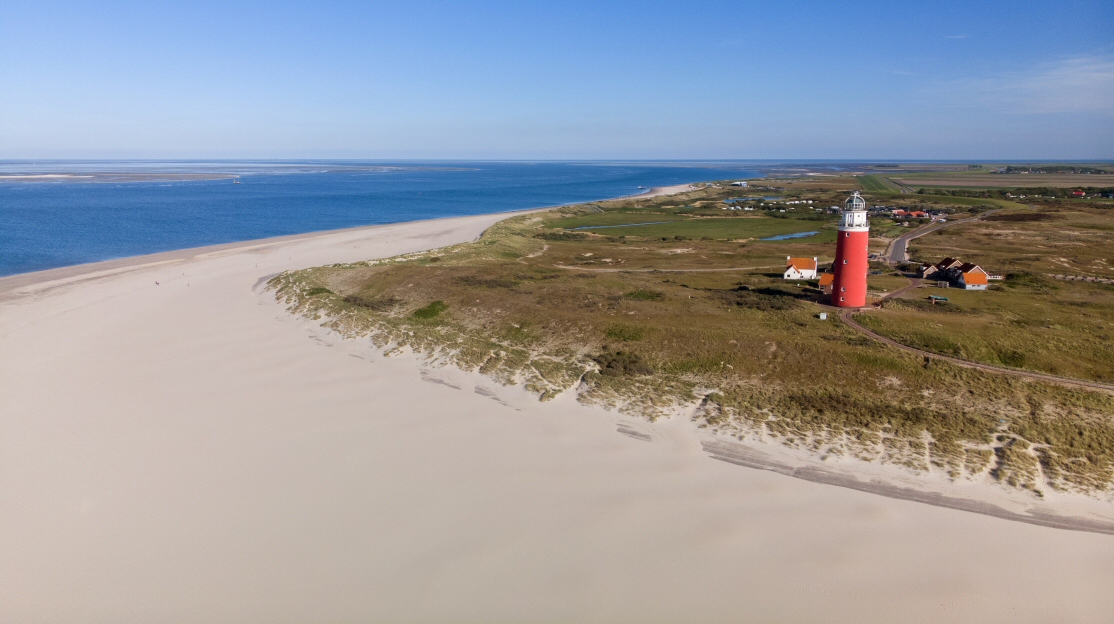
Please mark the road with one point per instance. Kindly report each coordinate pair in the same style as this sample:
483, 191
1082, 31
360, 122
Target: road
898, 251
899, 248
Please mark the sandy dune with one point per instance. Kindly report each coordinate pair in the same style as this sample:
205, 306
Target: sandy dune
187, 451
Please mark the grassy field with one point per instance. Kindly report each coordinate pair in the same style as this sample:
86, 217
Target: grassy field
878, 183
617, 319
991, 180
614, 218
723, 228
1029, 320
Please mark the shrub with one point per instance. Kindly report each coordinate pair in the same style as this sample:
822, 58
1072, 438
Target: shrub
620, 363
938, 344
318, 290
431, 311
1028, 280
1012, 358
561, 236
920, 305
375, 304
1022, 216
487, 282
644, 295
624, 333
764, 299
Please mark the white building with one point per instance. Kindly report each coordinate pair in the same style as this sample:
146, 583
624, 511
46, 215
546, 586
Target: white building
800, 268
740, 183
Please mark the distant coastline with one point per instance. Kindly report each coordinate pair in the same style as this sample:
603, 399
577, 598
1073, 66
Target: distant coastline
115, 177
14, 281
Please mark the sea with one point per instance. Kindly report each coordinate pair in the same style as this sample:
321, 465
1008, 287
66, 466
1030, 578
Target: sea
120, 209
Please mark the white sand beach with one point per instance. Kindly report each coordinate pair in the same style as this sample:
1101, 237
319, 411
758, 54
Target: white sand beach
174, 446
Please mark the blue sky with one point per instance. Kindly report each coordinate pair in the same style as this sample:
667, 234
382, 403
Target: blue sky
523, 80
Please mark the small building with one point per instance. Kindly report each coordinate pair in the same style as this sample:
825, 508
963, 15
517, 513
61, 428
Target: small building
800, 268
826, 280
973, 280
739, 183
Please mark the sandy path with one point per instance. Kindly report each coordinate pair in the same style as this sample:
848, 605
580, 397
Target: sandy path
190, 452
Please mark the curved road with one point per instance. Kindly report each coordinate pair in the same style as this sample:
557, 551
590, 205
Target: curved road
899, 248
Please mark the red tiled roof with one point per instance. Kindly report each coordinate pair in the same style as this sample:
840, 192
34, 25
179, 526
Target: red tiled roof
975, 279
826, 279
801, 264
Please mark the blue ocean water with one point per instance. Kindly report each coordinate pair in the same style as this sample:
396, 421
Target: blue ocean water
51, 224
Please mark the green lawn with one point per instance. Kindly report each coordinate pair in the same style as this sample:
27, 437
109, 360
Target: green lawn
877, 183
611, 218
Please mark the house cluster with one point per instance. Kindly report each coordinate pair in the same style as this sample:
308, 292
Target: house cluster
909, 214
902, 213
767, 203
735, 203
953, 271
808, 269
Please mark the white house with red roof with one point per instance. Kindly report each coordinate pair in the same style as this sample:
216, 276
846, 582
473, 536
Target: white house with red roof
971, 277
800, 268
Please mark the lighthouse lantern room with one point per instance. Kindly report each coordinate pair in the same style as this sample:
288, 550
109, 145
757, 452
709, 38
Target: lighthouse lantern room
851, 261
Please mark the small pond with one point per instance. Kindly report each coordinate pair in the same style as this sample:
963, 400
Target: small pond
788, 236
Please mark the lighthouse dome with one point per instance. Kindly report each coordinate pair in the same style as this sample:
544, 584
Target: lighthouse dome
855, 202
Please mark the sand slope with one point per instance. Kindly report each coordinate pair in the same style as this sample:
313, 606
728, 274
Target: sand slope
190, 452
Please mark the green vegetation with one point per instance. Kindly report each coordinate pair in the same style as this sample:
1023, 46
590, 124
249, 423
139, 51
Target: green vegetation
876, 182
430, 311
644, 295
721, 228
1029, 320
654, 323
624, 333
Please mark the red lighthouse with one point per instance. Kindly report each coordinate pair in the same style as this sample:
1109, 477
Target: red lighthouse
850, 268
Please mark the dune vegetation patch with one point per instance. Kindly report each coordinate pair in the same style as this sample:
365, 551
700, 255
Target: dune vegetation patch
1019, 217
431, 311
